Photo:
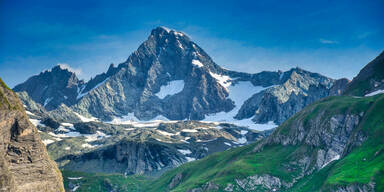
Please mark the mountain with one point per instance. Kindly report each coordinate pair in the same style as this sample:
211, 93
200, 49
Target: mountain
168, 104
369, 80
171, 77
52, 87
24, 161
334, 144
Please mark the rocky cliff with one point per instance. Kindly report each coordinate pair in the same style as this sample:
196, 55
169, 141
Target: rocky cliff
24, 161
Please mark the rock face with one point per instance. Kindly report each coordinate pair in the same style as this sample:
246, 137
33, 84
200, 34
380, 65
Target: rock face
128, 157
24, 161
369, 79
255, 182
170, 76
52, 87
299, 89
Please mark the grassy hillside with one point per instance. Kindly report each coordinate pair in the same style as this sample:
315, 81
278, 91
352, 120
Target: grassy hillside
362, 165
100, 182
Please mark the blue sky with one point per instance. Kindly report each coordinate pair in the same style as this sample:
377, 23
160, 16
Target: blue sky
334, 38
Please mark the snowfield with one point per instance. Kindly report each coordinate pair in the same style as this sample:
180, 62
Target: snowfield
197, 63
173, 87
185, 152
236, 94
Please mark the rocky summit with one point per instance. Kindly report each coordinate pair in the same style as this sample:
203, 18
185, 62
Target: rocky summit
24, 161
171, 77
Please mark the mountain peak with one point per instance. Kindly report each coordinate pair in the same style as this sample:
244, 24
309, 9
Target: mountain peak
160, 31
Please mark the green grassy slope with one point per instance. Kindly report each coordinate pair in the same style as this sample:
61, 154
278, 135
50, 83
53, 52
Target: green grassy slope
100, 182
361, 166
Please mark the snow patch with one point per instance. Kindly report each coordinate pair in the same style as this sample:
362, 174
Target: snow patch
236, 94
74, 178
87, 145
189, 159
93, 137
166, 29
85, 119
165, 133
61, 128
36, 122
197, 63
80, 94
227, 144
180, 45
262, 127
75, 188
130, 119
69, 134
375, 93
68, 125
223, 80
48, 141
47, 101
337, 157
173, 87
189, 130
29, 113
242, 140
185, 151
67, 148
178, 33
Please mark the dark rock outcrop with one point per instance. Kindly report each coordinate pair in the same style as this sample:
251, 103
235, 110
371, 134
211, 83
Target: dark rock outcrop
369, 79
87, 128
127, 157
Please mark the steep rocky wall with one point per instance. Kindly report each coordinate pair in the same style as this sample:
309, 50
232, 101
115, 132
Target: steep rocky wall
24, 161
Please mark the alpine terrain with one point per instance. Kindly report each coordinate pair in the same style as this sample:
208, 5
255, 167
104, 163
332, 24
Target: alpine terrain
168, 104
335, 144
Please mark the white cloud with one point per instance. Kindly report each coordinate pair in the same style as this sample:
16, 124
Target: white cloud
327, 41
77, 71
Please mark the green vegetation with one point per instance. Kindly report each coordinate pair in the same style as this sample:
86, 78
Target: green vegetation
96, 182
4, 102
4, 85
361, 166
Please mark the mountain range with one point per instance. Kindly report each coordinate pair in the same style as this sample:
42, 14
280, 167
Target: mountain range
170, 119
171, 77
